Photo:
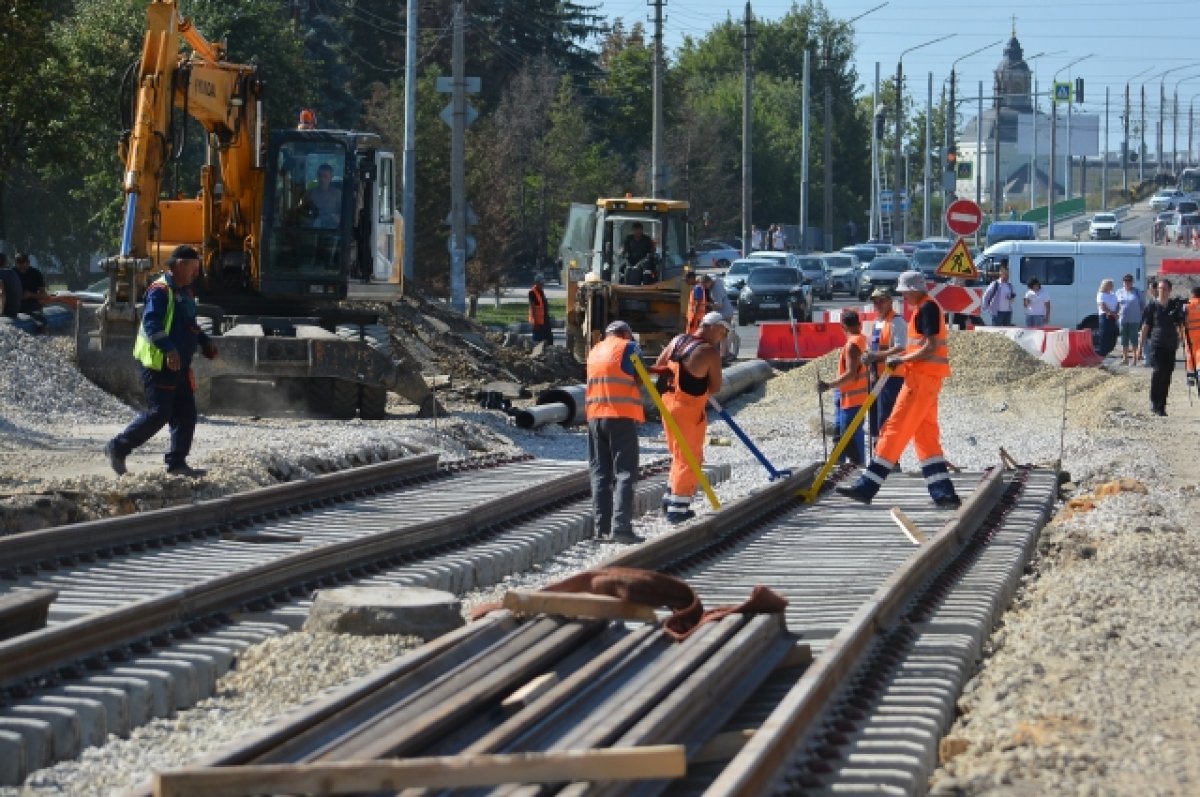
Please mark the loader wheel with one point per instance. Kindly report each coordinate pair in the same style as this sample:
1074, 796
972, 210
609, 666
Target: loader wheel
343, 399
372, 403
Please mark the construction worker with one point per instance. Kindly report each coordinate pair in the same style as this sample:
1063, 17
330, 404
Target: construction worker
1192, 328
694, 365
698, 302
889, 337
539, 312
167, 339
308, 120
614, 409
851, 383
914, 419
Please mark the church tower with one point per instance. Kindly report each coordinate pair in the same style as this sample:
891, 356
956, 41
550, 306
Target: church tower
1013, 79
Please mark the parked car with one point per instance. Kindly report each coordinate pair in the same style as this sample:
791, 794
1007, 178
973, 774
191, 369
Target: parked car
1166, 199
864, 252
842, 267
927, 260
1104, 225
769, 293
943, 244
792, 260
739, 270
882, 272
714, 257
817, 274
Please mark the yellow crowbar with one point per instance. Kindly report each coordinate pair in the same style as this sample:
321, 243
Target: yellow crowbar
688, 456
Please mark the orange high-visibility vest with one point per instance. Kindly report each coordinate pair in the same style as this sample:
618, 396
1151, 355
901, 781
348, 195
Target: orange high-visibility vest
537, 306
611, 393
1193, 320
854, 391
938, 362
885, 340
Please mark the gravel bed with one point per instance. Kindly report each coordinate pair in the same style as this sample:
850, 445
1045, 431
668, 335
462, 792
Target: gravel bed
1088, 687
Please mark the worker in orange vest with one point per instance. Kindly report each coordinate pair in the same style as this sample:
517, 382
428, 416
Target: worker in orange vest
1192, 329
926, 361
851, 383
614, 409
694, 365
699, 303
539, 313
888, 339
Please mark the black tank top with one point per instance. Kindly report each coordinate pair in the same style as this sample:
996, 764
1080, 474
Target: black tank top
688, 383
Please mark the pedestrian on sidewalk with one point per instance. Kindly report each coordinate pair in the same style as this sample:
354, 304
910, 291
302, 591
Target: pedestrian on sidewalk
1108, 311
1130, 303
1162, 327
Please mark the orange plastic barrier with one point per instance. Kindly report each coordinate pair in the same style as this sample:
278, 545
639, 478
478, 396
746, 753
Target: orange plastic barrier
1071, 348
812, 340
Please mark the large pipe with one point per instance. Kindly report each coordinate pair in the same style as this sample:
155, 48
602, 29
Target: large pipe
567, 405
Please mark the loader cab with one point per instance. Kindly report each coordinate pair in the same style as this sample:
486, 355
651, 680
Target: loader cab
329, 214
595, 234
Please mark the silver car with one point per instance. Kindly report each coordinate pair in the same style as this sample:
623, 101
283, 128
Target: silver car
816, 273
842, 267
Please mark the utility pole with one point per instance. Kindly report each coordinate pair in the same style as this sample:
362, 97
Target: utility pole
928, 157
408, 205
747, 130
1125, 148
804, 117
827, 187
1053, 155
997, 184
979, 150
460, 248
1033, 157
897, 163
1104, 165
1142, 140
875, 223
658, 178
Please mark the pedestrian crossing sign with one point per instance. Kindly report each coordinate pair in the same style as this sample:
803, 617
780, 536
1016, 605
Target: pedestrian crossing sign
958, 262
1062, 92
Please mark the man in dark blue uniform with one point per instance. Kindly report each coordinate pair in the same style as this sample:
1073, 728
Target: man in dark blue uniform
167, 340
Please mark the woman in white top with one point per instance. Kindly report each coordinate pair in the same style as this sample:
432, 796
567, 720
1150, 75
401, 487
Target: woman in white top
1037, 306
1107, 311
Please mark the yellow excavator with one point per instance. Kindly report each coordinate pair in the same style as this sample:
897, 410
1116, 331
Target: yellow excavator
603, 284
285, 222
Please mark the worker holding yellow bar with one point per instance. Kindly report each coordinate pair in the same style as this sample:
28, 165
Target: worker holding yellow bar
693, 363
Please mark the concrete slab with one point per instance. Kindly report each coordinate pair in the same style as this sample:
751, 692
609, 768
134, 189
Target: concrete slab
367, 611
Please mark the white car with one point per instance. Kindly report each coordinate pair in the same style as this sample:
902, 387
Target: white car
1166, 199
714, 257
1104, 225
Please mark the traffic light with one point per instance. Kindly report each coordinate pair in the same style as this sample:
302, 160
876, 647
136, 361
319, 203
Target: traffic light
879, 122
951, 158
1078, 89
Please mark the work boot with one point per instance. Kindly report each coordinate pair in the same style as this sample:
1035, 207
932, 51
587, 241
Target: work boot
948, 502
627, 538
186, 470
115, 460
862, 491
676, 515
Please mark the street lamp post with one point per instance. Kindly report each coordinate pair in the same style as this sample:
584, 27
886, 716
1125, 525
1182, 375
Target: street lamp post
1162, 102
898, 165
1050, 190
1125, 122
1034, 143
1175, 122
952, 118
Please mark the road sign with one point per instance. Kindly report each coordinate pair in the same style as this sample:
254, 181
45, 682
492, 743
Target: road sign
1062, 92
963, 217
958, 262
885, 201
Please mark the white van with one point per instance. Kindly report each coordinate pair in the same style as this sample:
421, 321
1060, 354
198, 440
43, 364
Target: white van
1070, 274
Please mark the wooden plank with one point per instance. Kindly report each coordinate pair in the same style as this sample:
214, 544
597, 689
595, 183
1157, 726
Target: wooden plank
25, 610
529, 692
576, 605
723, 746
448, 772
1007, 459
910, 529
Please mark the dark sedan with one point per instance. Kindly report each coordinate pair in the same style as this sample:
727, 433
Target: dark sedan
882, 272
769, 293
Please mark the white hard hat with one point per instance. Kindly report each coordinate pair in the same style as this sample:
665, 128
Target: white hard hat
912, 281
714, 319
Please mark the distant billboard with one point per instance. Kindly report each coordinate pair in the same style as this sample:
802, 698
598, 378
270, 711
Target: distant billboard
1085, 134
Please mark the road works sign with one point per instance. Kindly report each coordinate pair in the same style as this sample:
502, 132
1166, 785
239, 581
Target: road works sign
963, 217
958, 262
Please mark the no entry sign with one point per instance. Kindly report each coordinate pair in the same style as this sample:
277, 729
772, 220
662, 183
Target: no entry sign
963, 217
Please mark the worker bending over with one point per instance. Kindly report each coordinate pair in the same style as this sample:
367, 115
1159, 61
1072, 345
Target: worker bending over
614, 409
851, 383
926, 363
694, 364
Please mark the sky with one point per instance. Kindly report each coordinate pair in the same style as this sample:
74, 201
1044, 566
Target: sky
1123, 39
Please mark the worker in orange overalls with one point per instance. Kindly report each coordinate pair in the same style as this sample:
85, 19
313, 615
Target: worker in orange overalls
699, 303
694, 364
539, 314
888, 339
1192, 328
851, 383
926, 361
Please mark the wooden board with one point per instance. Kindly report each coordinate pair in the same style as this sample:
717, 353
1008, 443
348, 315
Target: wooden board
576, 605
448, 772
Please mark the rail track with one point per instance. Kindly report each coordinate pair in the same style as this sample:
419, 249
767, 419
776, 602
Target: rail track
151, 609
892, 631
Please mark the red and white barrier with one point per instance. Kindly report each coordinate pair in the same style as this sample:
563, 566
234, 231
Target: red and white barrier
1064, 348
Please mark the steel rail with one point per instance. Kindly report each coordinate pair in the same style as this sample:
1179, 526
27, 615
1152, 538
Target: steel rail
753, 769
74, 641
49, 548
